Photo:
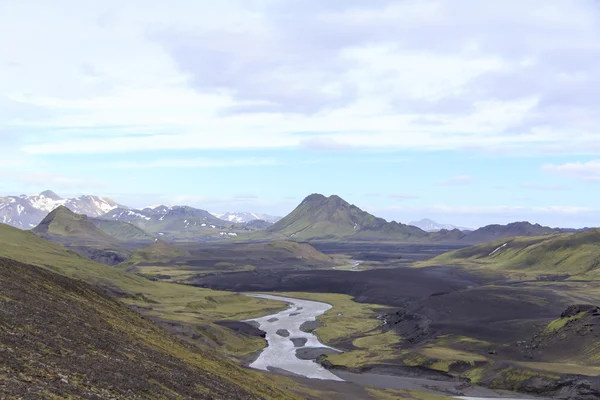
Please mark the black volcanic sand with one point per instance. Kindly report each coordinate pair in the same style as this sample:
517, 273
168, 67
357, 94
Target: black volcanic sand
385, 253
381, 286
273, 320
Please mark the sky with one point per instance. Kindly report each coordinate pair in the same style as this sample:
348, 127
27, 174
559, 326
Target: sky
468, 112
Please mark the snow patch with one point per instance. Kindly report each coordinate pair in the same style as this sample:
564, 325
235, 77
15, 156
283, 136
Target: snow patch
499, 248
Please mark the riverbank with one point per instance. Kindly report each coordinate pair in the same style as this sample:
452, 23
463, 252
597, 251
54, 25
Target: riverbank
283, 356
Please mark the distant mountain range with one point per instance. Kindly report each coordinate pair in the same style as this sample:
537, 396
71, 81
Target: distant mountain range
316, 218
332, 218
26, 212
431, 226
244, 217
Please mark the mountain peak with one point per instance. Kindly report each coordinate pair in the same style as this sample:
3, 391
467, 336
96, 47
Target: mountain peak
51, 195
314, 198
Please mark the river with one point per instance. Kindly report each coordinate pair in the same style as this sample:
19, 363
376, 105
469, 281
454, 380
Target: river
284, 338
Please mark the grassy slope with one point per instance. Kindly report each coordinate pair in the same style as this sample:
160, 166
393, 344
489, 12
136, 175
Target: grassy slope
121, 230
575, 254
75, 342
168, 301
64, 223
327, 218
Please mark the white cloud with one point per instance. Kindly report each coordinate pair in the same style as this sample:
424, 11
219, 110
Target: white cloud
548, 188
411, 75
196, 163
458, 180
586, 171
57, 180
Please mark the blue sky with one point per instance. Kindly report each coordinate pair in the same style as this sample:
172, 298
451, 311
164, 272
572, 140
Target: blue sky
465, 112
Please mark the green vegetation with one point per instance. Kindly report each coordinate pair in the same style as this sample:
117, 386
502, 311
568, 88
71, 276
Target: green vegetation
64, 223
162, 300
573, 254
121, 230
331, 218
60, 338
559, 323
391, 394
347, 319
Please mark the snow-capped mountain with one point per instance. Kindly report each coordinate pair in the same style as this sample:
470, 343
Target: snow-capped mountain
26, 212
244, 217
160, 213
431, 226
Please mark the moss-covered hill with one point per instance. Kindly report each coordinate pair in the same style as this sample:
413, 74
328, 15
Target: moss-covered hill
330, 218
570, 255
60, 338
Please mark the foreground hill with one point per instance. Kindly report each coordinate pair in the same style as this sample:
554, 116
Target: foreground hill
72, 341
560, 256
332, 218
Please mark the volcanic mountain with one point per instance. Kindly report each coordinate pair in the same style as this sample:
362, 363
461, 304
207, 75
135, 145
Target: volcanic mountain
329, 218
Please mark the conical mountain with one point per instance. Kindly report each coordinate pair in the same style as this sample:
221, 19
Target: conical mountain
327, 218
62, 223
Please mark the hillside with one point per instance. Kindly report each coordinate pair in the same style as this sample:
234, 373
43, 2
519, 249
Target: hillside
77, 232
332, 218
181, 262
72, 341
575, 255
493, 232
63, 224
121, 230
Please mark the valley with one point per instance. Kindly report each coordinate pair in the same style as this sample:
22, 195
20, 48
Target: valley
416, 315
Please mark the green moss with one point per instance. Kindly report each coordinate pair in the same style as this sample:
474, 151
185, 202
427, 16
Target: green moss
560, 323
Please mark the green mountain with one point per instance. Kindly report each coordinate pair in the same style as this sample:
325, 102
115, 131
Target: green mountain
331, 218
77, 232
62, 338
62, 224
574, 255
120, 230
493, 232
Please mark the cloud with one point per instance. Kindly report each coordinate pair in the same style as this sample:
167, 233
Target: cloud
586, 171
56, 180
196, 163
459, 180
357, 76
548, 188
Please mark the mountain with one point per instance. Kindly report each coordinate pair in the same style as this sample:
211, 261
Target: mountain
78, 233
62, 224
332, 218
175, 222
492, 232
431, 226
25, 212
561, 255
245, 217
75, 341
121, 230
